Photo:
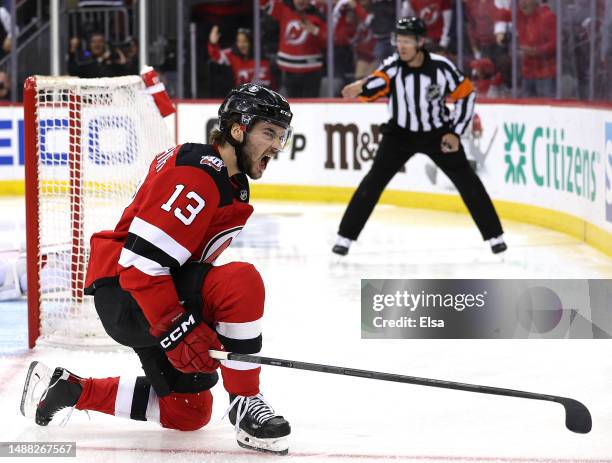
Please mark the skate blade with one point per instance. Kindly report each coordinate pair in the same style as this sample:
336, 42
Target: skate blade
36, 382
277, 446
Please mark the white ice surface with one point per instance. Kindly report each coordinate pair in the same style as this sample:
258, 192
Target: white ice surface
312, 314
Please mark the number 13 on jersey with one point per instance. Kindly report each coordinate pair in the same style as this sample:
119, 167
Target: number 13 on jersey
195, 206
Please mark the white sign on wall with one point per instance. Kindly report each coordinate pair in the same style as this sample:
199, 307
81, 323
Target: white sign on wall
548, 156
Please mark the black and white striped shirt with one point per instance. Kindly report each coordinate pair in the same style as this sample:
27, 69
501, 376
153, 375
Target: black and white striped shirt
417, 96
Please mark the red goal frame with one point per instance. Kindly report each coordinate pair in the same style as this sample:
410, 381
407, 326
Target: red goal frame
33, 250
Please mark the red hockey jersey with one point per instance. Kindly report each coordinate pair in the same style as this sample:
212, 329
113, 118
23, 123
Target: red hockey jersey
431, 12
243, 68
299, 51
186, 209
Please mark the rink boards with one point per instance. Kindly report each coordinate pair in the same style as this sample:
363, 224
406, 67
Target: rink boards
545, 164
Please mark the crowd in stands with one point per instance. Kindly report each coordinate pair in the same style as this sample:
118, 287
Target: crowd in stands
294, 41
362, 39
98, 59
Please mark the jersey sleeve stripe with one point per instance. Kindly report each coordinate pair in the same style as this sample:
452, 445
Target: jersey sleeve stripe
143, 248
378, 85
147, 266
463, 90
160, 239
463, 113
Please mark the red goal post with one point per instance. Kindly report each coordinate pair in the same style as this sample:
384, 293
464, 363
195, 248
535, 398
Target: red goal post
87, 144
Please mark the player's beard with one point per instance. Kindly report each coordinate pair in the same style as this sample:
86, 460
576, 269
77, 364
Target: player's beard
254, 163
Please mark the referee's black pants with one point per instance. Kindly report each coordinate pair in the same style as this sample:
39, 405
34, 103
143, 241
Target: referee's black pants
393, 152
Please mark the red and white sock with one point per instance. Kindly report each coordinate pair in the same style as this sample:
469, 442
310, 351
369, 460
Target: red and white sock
125, 396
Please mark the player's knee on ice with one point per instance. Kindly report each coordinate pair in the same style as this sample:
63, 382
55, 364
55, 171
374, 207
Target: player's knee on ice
185, 411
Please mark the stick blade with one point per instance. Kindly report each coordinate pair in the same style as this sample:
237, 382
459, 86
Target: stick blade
577, 416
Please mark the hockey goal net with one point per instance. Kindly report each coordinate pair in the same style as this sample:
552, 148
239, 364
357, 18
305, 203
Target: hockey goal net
87, 142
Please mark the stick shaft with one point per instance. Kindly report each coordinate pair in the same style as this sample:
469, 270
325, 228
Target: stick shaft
337, 370
577, 416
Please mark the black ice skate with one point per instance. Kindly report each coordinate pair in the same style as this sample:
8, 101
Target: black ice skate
257, 426
63, 391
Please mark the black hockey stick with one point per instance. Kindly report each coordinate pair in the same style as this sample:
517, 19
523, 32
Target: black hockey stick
577, 416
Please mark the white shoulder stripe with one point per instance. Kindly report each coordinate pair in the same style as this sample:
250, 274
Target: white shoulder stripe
161, 239
390, 60
436, 57
148, 266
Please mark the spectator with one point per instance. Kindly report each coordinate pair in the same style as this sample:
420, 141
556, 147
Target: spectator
5, 32
131, 57
481, 16
381, 25
303, 37
98, 61
487, 79
239, 58
100, 3
437, 15
537, 39
364, 44
347, 18
5, 86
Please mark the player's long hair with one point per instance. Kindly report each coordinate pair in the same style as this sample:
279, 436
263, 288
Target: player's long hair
216, 137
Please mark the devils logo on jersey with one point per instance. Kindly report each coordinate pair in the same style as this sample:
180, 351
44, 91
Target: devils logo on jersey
429, 15
218, 244
295, 34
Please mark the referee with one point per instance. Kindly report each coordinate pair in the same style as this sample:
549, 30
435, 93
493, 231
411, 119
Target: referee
417, 83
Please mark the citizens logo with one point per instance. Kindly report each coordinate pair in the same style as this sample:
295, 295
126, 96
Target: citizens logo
608, 161
543, 156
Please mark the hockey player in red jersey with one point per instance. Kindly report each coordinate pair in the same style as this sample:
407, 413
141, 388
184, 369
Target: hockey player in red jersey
156, 291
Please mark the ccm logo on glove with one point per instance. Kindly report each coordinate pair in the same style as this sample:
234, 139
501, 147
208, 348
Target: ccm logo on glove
182, 329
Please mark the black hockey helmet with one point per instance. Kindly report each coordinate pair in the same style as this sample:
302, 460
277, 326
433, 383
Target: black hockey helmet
249, 103
254, 102
411, 25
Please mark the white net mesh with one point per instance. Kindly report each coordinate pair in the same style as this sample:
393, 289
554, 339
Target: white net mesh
95, 140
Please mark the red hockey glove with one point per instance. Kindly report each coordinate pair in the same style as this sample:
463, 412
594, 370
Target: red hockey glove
186, 341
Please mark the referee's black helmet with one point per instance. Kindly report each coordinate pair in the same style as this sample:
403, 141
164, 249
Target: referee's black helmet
412, 25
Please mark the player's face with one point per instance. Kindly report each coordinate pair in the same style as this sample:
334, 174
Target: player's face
242, 44
265, 140
407, 46
527, 6
97, 45
301, 5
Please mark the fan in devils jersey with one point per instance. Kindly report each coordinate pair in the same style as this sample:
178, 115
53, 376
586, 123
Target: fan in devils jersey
156, 291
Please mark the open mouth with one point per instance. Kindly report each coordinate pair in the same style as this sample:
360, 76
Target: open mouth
263, 163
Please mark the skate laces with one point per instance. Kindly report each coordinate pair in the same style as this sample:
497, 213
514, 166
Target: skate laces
65, 375
261, 411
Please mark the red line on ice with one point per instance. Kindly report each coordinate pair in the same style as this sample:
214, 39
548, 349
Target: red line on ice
356, 456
